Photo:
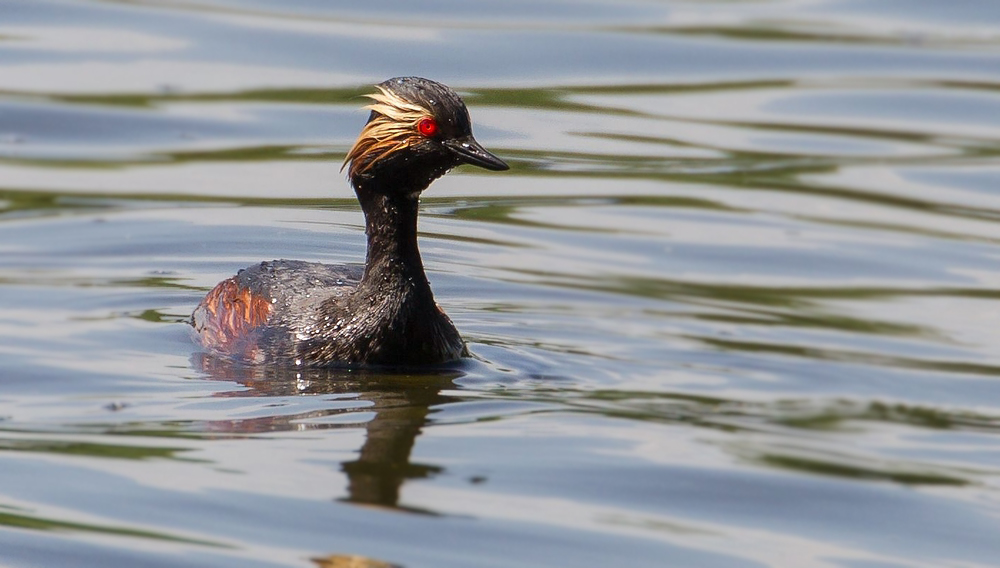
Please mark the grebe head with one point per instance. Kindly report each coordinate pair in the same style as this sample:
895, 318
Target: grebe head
418, 129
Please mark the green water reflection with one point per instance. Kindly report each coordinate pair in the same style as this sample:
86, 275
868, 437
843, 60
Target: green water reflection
736, 295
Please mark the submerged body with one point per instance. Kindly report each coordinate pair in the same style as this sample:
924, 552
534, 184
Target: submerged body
382, 313
294, 312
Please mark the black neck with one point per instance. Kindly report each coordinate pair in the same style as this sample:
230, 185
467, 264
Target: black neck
393, 258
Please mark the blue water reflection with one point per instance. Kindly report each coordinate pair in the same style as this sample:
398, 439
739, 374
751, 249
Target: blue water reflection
734, 304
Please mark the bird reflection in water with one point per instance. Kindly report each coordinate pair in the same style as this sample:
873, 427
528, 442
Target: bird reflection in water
350, 561
402, 404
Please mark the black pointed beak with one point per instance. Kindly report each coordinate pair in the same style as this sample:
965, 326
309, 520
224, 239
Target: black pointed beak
471, 152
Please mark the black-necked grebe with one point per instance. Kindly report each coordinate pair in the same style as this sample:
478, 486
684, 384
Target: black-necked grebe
302, 313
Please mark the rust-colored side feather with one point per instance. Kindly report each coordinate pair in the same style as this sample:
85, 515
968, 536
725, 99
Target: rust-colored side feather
227, 315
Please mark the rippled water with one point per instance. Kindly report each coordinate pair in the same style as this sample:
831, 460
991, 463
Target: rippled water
736, 304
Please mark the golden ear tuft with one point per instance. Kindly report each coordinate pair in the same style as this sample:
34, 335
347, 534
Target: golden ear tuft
392, 129
391, 105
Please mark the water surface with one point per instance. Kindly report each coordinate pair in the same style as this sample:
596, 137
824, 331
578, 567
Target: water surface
735, 304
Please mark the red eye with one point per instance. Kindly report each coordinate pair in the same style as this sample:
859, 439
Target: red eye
427, 126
